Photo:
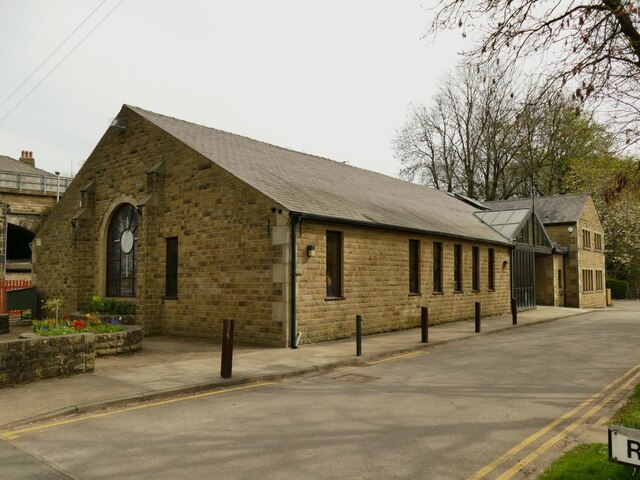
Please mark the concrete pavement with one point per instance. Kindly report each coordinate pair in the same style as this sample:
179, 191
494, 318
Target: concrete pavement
173, 366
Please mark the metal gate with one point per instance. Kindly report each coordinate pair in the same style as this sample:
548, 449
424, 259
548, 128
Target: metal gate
523, 281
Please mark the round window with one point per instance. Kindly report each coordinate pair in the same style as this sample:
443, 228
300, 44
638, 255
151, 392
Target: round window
126, 241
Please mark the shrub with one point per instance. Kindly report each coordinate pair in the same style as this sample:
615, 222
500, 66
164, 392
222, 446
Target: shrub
619, 288
111, 307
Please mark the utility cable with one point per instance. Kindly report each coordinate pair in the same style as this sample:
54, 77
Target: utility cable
51, 54
63, 59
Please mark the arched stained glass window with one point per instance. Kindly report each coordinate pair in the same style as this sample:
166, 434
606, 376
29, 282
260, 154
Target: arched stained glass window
121, 252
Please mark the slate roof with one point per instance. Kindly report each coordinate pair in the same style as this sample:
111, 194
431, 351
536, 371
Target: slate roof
325, 189
8, 164
550, 210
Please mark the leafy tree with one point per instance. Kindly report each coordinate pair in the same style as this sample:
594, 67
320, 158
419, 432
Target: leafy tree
619, 208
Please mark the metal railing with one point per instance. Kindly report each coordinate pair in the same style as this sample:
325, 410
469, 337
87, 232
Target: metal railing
47, 184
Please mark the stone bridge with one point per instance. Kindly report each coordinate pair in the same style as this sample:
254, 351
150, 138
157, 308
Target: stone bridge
27, 195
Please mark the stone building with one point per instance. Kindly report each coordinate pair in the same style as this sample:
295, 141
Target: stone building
196, 225
574, 276
27, 194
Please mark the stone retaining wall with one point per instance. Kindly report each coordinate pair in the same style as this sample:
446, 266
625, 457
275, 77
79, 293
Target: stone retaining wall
28, 360
36, 358
127, 341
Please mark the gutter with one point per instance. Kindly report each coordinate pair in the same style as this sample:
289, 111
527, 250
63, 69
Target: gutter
397, 228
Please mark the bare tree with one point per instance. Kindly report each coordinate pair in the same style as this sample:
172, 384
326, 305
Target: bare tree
460, 142
589, 46
490, 137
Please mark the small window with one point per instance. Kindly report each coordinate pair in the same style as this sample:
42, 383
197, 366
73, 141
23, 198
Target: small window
457, 268
334, 264
437, 267
491, 276
599, 280
587, 280
171, 268
586, 239
414, 266
475, 269
597, 241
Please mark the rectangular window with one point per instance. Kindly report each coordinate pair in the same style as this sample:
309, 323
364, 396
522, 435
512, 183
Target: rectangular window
457, 268
437, 267
475, 269
587, 280
491, 277
599, 280
597, 240
414, 266
586, 239
334, 264
171, 268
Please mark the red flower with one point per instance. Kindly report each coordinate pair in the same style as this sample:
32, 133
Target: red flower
66, 316
78, 324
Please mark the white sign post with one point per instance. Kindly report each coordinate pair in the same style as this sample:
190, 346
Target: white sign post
624, 445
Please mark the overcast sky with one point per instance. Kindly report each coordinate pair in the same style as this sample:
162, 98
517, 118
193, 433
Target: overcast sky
332, 78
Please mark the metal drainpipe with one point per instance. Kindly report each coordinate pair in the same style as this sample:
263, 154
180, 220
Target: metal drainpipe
294, 223
564, 279
512, 294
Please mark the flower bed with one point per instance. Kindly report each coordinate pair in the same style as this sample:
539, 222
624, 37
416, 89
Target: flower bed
88, 323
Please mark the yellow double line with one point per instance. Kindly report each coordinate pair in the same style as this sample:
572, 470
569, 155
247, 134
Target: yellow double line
631, 376
12, 434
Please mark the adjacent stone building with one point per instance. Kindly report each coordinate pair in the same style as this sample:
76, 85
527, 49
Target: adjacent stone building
576, 278
196, 225
27, 194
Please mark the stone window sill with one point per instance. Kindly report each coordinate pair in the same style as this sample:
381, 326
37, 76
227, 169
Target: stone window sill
333, 299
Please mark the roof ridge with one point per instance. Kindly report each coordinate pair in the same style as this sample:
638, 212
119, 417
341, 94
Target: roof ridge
286, 149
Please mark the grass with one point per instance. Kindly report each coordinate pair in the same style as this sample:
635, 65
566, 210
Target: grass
591, 462
629, 414
587, 462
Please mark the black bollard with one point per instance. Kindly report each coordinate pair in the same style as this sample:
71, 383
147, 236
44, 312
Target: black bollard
477, 317
514, 311
424, 324
358, 335
226, 360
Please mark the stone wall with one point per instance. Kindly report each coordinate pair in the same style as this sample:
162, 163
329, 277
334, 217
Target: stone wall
234, 252
376, 282
590, 258
118, 343
225, 253
581, 257
23, 361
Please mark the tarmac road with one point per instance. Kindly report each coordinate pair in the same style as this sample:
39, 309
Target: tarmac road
448, 413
